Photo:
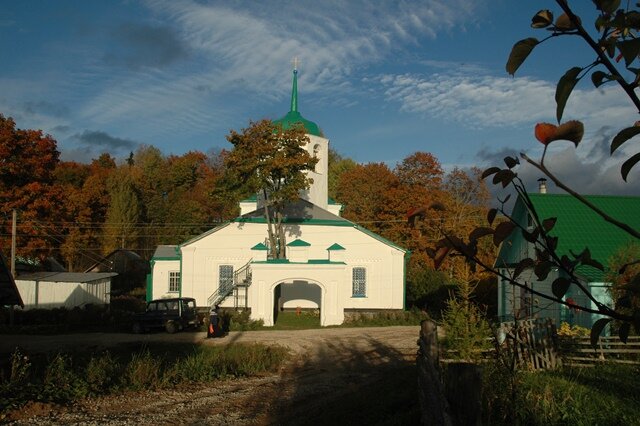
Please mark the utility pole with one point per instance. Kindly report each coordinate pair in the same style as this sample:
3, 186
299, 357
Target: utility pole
13, 244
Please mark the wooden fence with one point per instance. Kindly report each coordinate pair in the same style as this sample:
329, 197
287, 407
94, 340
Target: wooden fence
532, 342
578, 352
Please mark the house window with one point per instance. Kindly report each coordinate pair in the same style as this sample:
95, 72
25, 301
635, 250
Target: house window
225, 278
174, 281
359, 282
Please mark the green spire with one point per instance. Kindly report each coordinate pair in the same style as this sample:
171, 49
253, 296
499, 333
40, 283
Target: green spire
294, 92
294, 117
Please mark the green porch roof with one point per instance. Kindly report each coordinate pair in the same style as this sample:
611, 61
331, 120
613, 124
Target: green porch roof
578, 227
335, 246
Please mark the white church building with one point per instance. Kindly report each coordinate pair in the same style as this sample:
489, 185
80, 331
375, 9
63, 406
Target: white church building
332, 264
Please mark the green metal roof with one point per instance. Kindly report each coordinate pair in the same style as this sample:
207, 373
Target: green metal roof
298, 243
293, 117
336, 246
578, 227
259, 246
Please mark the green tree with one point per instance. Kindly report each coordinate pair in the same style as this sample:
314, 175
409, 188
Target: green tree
338, 165
123, 215
272, 161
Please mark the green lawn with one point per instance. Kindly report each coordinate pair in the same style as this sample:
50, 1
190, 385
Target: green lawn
290, 321
601, 395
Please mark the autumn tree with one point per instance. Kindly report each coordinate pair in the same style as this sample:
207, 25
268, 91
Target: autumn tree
27, 163
86, 209
369, 194
273, 162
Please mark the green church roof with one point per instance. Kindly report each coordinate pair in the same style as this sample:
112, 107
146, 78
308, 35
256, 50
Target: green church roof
294, 117
578, 226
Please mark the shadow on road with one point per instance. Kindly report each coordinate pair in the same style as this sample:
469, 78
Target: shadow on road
345, 381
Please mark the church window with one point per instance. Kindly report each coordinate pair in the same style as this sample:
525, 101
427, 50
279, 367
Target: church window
225, 277
359, 282
174, 281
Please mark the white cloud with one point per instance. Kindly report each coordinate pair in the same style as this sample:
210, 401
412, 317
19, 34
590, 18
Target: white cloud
484, 101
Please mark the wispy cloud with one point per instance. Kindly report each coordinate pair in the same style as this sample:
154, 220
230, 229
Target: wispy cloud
487, 101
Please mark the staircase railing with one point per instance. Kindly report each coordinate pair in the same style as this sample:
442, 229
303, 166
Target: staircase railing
241, 278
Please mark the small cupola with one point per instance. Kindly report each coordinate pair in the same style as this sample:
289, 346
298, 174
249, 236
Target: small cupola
336, 253
298, 251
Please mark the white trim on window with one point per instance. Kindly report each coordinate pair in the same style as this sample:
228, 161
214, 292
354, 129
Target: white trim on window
174, 281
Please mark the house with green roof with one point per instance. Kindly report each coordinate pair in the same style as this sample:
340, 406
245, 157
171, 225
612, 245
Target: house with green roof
577, 227
332, 265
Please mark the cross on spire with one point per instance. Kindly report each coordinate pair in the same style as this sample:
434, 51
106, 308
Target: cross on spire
296, 62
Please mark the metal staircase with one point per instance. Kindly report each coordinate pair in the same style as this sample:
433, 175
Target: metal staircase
239, 289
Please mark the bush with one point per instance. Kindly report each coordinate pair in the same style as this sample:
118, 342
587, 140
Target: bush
61, 383
143, 371
466, 330
239, 321
382, 319
102, 373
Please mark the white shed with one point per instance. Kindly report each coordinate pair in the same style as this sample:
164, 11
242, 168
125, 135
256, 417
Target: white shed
47, 290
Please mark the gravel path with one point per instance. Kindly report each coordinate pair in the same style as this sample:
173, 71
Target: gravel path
327, 364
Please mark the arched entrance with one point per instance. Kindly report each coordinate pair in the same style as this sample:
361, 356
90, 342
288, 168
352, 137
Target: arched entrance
299, 298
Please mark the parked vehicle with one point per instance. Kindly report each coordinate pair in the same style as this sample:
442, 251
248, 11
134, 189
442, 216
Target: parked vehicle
171, 314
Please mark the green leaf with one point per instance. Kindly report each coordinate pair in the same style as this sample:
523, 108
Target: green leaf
491, 215
564, 23
598, 77
564, 88
490, 171
623, 332
542, 269
607, 6
519, 54
503, 230
522, 265
480, 232
623, 136
629, 49
549, 223
628, 165
504, 176
596, 330
542, 19
560, 286
511, 162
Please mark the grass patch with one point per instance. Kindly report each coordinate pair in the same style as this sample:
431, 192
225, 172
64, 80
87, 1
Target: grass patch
602, 395
288, 320
385, 319
66, 377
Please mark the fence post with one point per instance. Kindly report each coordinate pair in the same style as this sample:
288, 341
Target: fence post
433, 403
463, 382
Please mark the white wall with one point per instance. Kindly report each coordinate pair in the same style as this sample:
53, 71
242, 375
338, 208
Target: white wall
161, 269
48, 295
231, 245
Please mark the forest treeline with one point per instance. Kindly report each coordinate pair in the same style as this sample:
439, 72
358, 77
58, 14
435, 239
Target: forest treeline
79, 212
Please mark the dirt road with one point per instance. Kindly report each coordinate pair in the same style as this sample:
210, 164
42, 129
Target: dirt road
336, 376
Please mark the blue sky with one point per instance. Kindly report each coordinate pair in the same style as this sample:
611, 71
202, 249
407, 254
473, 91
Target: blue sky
382, 79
